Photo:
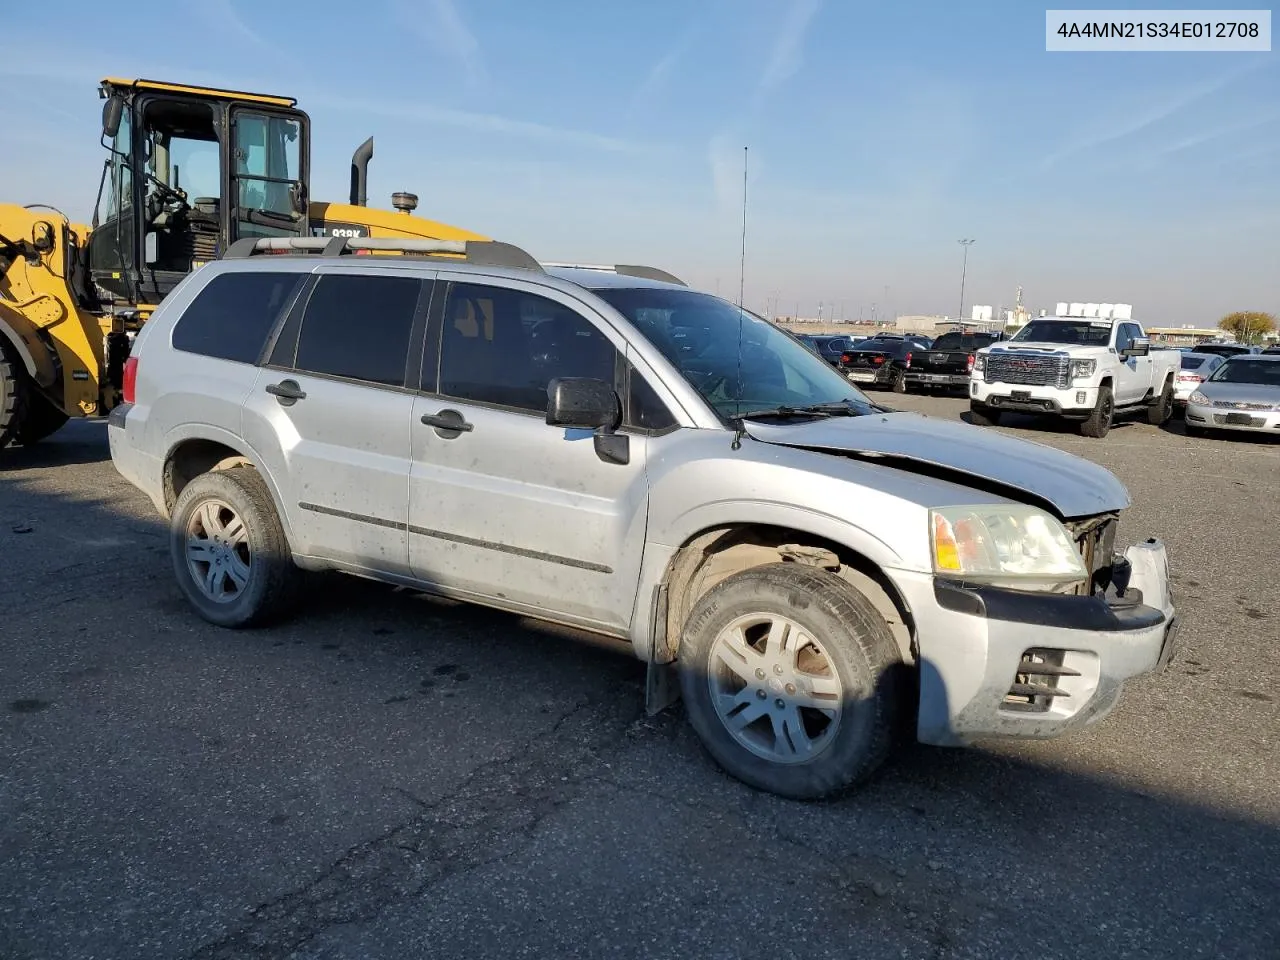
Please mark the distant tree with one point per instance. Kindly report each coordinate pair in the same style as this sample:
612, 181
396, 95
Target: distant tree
1248, 325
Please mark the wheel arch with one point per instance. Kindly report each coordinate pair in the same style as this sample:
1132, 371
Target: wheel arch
716, 552
199, 451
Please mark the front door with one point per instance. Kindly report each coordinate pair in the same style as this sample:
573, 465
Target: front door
503, 506
1134, 374
331, 408
267, 174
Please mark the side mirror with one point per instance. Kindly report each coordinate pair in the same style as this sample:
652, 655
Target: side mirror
112, 111
583, 403
1138, 347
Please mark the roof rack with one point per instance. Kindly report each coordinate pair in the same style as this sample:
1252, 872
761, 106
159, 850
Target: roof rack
622, 270
487, 253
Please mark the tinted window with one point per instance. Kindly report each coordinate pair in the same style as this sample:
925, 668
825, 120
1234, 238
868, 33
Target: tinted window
1248, 370
962, 341
644, 408
504, 346
358, 327
232, 316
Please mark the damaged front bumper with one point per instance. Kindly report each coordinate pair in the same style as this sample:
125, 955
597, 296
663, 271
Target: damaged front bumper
1004, 663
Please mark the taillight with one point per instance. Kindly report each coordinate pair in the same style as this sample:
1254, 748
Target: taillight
130, 379
877, 359
908, 358
1190, 378
971, 363
846, 358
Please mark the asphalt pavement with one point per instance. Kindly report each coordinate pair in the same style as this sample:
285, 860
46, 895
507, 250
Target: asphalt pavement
389, 776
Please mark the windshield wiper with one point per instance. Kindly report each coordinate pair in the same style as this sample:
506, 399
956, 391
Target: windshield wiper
786, 413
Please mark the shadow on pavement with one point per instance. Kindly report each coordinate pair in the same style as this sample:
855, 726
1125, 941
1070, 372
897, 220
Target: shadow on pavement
387, 771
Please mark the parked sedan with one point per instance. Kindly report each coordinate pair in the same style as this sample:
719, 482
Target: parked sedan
878, 362
1227, 349
826, 346
1196, 368
1242, 394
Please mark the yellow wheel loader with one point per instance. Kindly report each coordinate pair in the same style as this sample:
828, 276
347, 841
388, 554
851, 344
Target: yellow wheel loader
189, 171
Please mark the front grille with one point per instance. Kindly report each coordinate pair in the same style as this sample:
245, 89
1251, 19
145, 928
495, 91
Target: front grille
1233, 405
1238, 420
1095, 539
1036, 684
1029, 370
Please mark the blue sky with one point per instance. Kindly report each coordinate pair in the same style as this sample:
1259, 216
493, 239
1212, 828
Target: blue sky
879, 135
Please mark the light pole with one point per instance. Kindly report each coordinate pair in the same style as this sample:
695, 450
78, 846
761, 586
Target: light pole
963, 270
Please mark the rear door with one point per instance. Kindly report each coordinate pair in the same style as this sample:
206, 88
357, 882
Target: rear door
332, 411
504, 506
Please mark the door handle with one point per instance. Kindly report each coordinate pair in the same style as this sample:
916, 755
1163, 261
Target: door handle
448, 423
287, 392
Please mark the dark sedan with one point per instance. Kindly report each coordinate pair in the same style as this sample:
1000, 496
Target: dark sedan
878, 363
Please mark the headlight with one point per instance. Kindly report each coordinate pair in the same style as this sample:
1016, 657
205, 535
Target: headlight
1198, 397
979, 362
1005, 545
1083, 368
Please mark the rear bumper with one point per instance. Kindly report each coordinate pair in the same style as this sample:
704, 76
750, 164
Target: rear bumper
865, 376
125, 428
979, 648
925, 379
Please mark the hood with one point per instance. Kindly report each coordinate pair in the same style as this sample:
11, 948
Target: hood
1070, 486
1240, 392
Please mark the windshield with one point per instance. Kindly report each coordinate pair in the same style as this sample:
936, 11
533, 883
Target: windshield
1240, 370
700, 334
961, 341
1086, 333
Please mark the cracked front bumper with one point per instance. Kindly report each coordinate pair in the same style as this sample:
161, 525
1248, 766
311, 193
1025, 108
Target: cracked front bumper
1000, 663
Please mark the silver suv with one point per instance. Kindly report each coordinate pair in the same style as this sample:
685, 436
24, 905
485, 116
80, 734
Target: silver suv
609, 449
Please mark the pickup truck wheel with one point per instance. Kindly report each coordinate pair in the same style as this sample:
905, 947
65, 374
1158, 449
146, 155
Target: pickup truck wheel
900, 381
792, 680
983, 416
1161, 408
1099, 421
229, 550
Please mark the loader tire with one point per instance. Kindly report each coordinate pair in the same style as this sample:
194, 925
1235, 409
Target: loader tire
13, 394
39, 420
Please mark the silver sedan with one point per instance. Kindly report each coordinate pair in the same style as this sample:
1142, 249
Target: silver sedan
1242, 394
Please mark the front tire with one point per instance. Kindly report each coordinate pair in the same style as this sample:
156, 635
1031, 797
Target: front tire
13, 394
792, 680
1098, 424
229, 550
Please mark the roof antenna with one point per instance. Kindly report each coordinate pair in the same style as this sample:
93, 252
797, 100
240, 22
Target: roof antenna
742, 273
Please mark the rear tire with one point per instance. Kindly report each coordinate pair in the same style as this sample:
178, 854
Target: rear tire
983, 416
1098, 423
229, 550
760, 649
13, 394
1161, 409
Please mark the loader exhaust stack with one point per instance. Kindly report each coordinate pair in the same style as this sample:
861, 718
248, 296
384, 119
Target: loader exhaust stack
360, 174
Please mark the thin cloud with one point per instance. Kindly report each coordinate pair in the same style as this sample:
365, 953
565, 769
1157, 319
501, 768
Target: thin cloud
445, 31
1219, 133
658, 73
787, 55
1153, 115
725, 159
478, 122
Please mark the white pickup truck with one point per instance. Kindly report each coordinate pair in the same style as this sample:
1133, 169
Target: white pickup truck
1086, 364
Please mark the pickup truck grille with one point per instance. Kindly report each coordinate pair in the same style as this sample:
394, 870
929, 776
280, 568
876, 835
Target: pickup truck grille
1028, 370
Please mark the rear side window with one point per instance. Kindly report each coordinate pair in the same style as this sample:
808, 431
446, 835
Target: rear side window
233, 315
358, 327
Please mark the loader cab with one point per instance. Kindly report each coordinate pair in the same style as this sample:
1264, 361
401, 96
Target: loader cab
189, 171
